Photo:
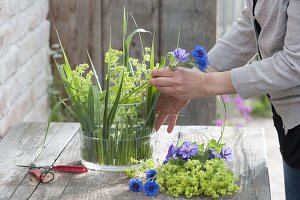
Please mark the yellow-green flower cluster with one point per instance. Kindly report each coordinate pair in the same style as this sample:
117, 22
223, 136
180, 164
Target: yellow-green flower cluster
80, 82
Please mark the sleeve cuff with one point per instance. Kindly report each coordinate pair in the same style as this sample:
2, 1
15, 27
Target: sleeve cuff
243, 83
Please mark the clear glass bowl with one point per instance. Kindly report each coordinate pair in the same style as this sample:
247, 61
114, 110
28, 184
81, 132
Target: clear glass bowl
116, 155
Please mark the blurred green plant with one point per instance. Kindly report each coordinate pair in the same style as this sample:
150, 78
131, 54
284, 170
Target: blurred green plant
261, 107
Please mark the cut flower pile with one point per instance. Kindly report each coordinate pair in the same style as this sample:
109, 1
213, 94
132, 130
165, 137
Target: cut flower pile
189, 169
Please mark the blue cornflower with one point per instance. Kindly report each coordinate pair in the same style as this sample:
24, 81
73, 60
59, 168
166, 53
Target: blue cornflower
226, 153
135, 185
151, 188
181, 55
151, 173
187, 150
201, 59
213, 154
172, 151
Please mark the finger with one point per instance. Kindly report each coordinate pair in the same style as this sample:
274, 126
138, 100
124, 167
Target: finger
160, 119
162, 81
162, 72
172, 122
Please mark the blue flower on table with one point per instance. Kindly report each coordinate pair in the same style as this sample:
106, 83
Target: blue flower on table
135, 185
187, 150
181, 55
151, 188
151, 173
172, 152
200, 56
213, 154
226, 154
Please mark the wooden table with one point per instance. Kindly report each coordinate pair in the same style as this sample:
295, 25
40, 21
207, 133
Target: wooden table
23, 145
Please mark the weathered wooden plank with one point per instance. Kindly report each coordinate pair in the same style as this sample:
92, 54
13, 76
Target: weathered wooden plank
46, 158
197, 19
21, 145
55, 189
79, 27
249, 164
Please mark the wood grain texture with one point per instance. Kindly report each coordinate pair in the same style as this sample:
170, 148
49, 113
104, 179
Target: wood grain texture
197, 20
249, 164
47, 157
21, 146
79, 27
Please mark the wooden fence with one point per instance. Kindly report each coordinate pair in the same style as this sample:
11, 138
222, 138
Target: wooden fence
84, 24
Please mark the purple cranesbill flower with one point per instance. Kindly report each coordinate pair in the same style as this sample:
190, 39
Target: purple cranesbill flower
151, 173
181, 55
151, 188
226, 98
135, 185
219, 122
187, 150
213, 154
172, 151
201, 59
226, 153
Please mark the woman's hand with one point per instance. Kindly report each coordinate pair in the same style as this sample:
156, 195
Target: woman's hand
168, 107
182, 83
185, 83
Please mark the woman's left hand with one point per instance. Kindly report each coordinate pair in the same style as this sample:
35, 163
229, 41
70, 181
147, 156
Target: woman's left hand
182, 83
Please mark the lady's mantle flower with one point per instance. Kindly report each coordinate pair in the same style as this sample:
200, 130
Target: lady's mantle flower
213, 154
135, 185
226, 153
181, 55
172, 151
199, 54
151, 173
151, 188
187, 150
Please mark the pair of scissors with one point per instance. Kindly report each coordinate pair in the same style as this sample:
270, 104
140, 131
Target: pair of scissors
44, 175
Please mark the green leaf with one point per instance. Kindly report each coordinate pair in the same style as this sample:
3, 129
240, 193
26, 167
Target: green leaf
127, 45
105, 113
95, 72
114, 108
91, 105
53, 112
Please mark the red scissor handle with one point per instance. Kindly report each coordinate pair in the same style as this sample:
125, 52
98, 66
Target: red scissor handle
37, 174
70, 168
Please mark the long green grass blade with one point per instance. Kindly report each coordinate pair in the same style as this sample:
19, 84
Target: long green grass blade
140, 37
90, 106
53, 112
136, 90
128, 42
151, 94
105, 114
95, 72
114, 108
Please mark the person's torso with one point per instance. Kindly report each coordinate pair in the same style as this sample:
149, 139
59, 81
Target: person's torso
272, 17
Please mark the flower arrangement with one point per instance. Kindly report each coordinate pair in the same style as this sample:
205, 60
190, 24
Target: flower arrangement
189, 169
116, 120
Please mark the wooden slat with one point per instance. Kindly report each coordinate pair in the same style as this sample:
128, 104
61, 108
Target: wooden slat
197, 19
21, 145
54, 190
79, 27
46, 158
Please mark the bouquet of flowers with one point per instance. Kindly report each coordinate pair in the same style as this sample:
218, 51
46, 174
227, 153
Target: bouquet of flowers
116, 120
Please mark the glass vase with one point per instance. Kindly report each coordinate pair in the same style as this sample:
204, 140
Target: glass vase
116, 154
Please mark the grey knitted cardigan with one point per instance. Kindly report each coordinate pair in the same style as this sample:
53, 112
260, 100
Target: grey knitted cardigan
278, 73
